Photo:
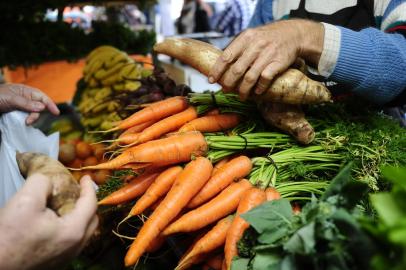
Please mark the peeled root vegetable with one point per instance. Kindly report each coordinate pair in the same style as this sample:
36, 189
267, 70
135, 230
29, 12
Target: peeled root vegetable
289, 118
65, 189
291, 87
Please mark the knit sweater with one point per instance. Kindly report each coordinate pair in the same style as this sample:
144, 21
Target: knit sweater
372, 61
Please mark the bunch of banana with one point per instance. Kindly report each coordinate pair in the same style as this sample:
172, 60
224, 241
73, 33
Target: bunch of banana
112, 80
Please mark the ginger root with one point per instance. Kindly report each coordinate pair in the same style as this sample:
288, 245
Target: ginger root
291, 87
279, 105
289, 118
65, 189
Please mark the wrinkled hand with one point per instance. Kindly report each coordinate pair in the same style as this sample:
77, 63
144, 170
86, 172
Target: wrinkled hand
25, 98
257, 55
32, 236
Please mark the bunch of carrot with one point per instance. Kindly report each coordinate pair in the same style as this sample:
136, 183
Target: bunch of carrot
163, 133
198, 196
182, 191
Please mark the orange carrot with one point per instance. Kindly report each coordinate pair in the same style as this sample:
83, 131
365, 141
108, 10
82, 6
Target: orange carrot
215, 238
251, 198
235, 169
272, 194
213, 112
188, 183
130, 191
296, 209
220, 206
155, 244
164, 126
212, 123
220, 164
153, 112
174, 149
137, 128
160, 187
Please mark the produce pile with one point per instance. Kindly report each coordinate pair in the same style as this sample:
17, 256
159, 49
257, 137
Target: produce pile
77, 153
114, 85
158, 140
206, 169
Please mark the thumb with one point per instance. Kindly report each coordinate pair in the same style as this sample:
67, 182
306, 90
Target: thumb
24, 104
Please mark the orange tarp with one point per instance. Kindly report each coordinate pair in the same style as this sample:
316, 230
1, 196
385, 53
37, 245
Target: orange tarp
57, 79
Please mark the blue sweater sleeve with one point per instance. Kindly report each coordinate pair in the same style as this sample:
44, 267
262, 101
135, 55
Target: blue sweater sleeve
373, 62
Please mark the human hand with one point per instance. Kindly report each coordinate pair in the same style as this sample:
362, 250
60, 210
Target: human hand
32, 236
257, 55
25, 98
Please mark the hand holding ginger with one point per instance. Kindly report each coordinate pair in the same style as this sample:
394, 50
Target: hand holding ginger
33, 236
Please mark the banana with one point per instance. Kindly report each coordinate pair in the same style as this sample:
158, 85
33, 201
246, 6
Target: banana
118, 86
100, 49
131, 74
93, 122
102, 93
113, 106
92, 66
104, 73
93, 83
117, 58
111, 80
102, 57
127, 70
131, 85
146, 72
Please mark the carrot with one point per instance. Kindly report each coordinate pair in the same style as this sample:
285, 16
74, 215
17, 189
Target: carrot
212, 123
213, 112
130, 191
223, 204
160, 187
215, 238
220, 164
126, 137
189, 182
251, 198
272, 194
153, 112
174, 149
164, 126
155, 244
235, 169
137, 128
296, 209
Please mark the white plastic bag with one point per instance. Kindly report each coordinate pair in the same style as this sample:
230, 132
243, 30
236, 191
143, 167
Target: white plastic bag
17, 136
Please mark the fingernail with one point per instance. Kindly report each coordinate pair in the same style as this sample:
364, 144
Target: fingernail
211, 79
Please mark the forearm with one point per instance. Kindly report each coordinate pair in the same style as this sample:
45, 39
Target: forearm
373, 62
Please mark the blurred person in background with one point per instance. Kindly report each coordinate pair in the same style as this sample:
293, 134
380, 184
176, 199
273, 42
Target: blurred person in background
235, 17
194, 17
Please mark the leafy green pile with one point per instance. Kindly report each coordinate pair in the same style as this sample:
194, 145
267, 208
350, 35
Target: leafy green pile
325, 235
367, 137
389, 230
332, 232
